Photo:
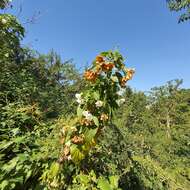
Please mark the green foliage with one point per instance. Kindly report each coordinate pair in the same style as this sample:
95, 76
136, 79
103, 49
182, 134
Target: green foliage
152, 176
180, 5
145, 134
11, 32
17, 140
143, 145
90, 181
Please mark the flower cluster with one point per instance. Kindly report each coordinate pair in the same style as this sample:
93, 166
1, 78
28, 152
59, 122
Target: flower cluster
128, 77
99, 104
90, 75
79, 98
87, 115
103, 93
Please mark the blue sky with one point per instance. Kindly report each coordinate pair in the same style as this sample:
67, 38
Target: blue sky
145, 31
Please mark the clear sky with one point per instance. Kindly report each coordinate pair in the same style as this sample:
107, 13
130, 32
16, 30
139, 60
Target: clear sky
145, 31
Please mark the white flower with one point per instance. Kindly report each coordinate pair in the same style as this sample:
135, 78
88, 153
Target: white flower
80, 101
4, 21
99, 104
120, 101
68, 143
69, 157
120, 92
79, 98
85, 113
88, 115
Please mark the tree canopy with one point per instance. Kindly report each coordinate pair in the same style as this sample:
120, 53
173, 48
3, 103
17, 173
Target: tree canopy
182, 6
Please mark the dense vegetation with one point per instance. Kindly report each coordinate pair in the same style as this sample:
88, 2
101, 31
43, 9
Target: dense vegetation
142, 145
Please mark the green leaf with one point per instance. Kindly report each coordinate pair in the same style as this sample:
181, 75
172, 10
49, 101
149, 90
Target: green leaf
96, 95
19, 139
90, 134
76, 154
114, 181
29, 173
79, 112
96, 121
105, 53
22, 157
4, 184
54, 170
103, 184
11, 165
5, 144
13, 185
84, 179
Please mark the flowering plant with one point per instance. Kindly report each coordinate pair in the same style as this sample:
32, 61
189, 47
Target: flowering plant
106, 80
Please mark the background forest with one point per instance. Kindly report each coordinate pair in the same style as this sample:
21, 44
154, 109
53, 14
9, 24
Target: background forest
144, 147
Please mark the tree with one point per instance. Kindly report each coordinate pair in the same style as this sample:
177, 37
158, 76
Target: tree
164, 102
179, 5
4, 3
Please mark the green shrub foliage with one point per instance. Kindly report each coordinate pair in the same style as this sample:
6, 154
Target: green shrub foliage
63, 130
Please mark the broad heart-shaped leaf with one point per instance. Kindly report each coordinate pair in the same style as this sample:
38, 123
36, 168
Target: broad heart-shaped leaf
85, 179
76, 154
89, 134
114, 181
54, 169
103, 184
88, 145
96, 121
79, 112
